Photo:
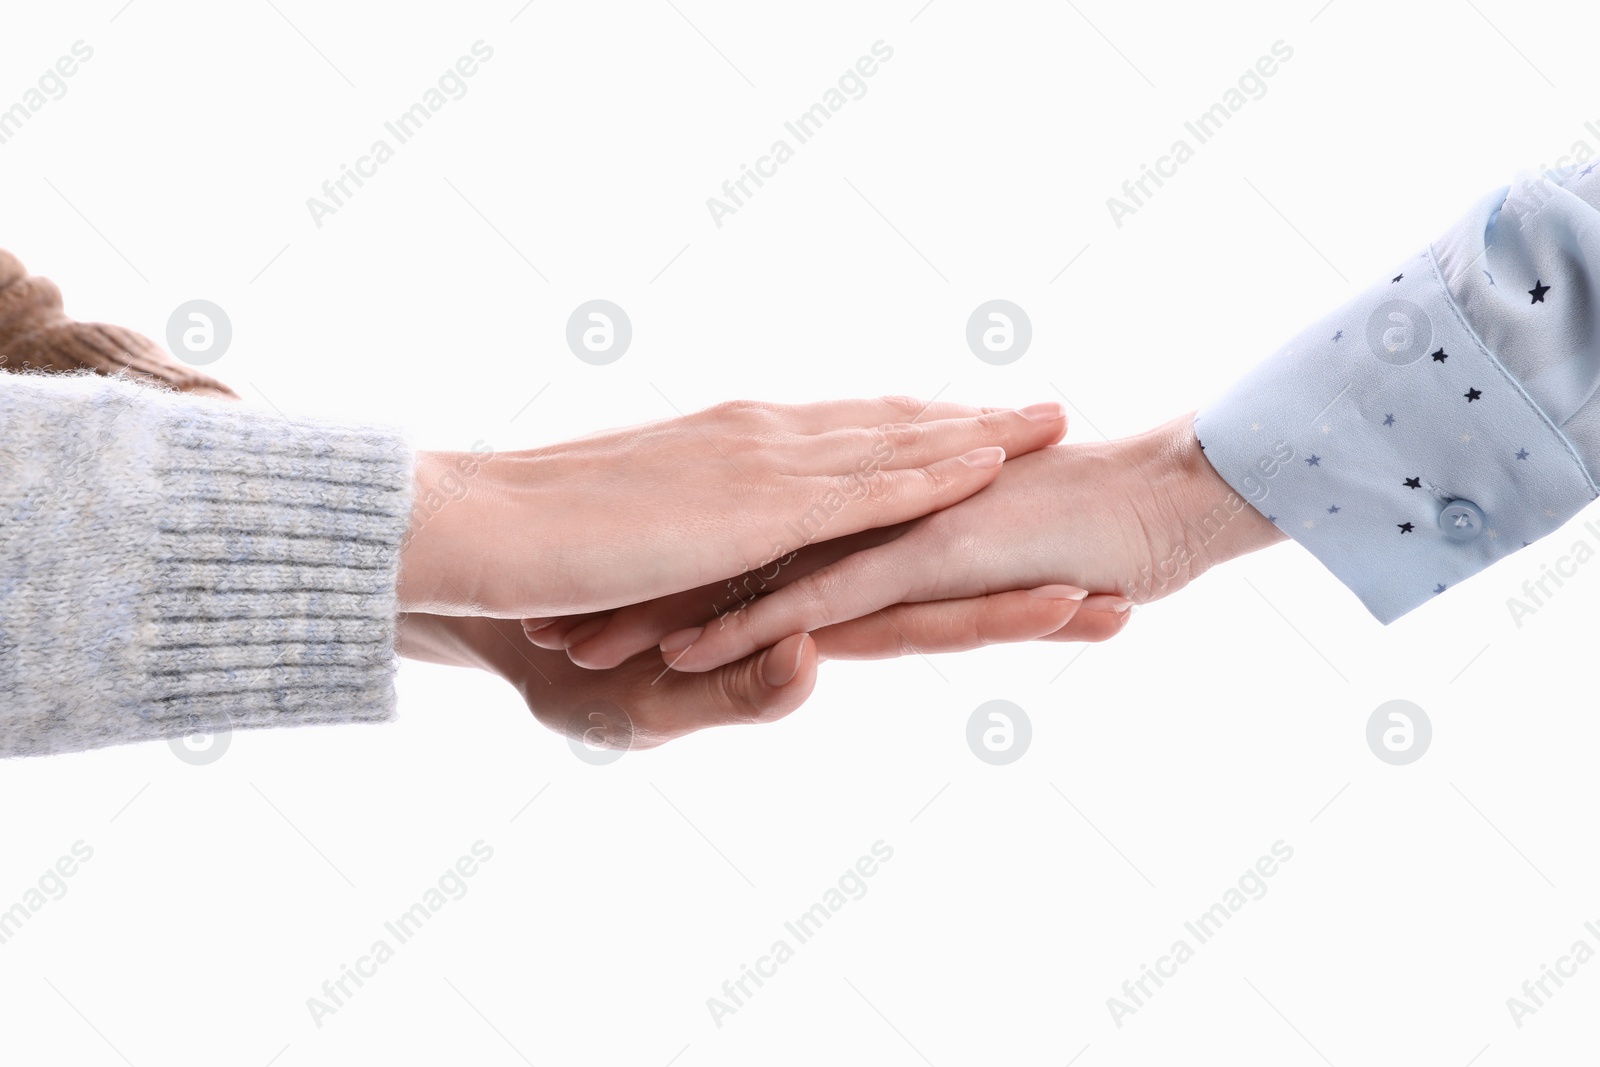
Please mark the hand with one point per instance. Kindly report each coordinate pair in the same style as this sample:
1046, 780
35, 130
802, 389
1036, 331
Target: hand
1140, 517
640, 704
602, 640
637, 513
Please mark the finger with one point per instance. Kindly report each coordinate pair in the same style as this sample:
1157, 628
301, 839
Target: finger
553, 633
1101, 618
857, 585
954, 625
860, 453
633, 629
887, 498
760, 688
628, 631
823, 416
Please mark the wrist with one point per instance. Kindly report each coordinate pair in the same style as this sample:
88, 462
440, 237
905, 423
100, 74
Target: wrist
435, 572
1201, 520
493, 645
418, 574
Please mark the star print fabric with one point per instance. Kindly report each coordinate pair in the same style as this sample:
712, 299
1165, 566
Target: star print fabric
1471, 376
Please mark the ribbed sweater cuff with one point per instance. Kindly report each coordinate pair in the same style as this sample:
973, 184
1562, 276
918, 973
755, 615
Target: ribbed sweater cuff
242, 573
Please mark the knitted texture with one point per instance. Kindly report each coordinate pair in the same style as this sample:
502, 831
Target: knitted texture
172, 564
37, 334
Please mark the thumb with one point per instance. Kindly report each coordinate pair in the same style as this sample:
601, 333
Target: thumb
763, 687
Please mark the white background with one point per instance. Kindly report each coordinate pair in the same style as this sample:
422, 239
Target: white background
220, 898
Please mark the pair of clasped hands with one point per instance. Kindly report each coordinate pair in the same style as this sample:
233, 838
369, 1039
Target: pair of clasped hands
694, 572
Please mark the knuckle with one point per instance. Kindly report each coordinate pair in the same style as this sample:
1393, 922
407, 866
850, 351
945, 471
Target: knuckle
950, 632
740, 410
813, 599
974, 630
935, 481
733, 688
996, 423
735, 623
885, 490
900, 436
906, 407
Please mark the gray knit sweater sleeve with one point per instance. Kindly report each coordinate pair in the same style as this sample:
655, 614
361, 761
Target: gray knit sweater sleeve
171, 564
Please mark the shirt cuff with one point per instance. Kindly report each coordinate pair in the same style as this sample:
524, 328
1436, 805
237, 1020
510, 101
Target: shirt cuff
1392, 444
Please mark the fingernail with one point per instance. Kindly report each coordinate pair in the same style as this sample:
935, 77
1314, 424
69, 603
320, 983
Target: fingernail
676, 642
1049, 411
782, 662
533, 626
1107, 602
583, 631
983, 458
1058, 592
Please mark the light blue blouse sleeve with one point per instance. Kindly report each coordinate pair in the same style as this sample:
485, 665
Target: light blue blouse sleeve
1446, 417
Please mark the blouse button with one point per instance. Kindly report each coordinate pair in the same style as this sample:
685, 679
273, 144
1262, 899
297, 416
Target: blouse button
1461, 520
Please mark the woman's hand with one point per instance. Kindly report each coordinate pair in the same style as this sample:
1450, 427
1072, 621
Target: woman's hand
632, 514
604, 639
640, 704
1140, 517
